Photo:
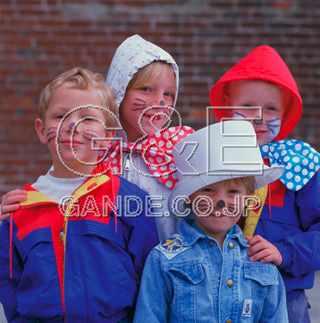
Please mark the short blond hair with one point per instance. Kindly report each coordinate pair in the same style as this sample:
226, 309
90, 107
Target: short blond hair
83, 79
248, 182
151, 73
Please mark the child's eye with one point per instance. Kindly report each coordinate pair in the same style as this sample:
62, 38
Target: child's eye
59, 116
168, 94
271, 109
88, 118
232, 191
208, 190
145, 89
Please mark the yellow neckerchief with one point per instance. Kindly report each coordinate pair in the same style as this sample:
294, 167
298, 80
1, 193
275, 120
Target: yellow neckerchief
252, 219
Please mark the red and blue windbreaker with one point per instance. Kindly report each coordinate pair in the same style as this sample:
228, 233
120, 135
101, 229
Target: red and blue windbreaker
289, 219
76, 264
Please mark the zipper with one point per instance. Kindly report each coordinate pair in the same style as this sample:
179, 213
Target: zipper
63, 231
127, 164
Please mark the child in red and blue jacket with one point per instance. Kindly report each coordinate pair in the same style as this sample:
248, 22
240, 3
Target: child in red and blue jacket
286, 230
75, 249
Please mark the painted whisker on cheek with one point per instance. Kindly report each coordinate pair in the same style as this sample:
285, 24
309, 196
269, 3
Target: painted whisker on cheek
233, 209
89, 134
51, 133
142, 105
274, 126
238, 115
141, 100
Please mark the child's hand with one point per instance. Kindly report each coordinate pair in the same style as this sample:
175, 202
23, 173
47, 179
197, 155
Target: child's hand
263, 250
10, 202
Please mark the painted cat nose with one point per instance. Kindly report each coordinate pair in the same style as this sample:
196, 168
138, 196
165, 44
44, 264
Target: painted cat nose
71, 125
162, 103
221, 204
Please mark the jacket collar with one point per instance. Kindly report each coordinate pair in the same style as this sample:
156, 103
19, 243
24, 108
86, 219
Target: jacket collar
190, 235
35, 197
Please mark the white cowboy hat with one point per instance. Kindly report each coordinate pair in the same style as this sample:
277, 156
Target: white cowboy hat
216, 153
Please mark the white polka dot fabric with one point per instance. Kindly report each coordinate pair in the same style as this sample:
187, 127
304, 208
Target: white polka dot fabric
158, 159
299, 159
133, 54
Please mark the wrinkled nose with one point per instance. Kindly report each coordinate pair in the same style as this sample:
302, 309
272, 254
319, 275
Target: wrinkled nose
221, 204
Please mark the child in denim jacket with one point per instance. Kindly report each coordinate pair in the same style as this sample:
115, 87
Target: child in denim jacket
203, 274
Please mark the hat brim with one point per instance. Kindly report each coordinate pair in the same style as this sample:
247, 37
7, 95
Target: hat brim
186, 187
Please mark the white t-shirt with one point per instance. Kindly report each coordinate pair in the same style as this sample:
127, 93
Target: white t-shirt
58, 189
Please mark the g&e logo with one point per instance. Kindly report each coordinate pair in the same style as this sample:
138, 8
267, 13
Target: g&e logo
231, 140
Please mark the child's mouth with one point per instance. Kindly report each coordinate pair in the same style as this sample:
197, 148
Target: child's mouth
70, 143
260, 132
152, 116
155, 117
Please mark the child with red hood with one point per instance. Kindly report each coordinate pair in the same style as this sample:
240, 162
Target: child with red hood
286, 228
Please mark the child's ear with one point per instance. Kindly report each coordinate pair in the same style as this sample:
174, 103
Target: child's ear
109, 136
40, 129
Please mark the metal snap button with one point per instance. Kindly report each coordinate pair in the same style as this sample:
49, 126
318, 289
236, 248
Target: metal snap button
231, 245
230, 282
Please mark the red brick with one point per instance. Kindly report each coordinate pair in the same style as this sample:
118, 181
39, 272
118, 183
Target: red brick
205, 38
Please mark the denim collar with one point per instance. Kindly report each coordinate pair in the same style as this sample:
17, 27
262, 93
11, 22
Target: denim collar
191, 235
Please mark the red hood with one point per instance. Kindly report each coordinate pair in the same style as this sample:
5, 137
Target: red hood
262, 63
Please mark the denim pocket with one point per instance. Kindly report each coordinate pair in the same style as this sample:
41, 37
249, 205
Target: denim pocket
264, 274
190, 272
188, 279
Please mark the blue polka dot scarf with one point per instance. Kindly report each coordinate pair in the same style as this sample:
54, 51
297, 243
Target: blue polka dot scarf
299, 159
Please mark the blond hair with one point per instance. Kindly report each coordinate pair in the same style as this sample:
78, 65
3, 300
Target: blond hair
151, 73
248, 182
83, 79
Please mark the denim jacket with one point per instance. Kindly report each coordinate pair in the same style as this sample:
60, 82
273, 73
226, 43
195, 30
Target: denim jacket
189, 279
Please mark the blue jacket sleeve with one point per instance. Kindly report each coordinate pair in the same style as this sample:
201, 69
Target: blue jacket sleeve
8, 286
301, 252
142, 234
155, 293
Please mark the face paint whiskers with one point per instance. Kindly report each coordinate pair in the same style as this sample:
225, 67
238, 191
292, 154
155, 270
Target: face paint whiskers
51, 133
89, 134
233, 209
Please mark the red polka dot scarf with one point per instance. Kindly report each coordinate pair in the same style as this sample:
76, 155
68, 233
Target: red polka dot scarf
155, 150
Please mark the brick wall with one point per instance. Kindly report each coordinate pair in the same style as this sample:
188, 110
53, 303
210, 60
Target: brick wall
39, 39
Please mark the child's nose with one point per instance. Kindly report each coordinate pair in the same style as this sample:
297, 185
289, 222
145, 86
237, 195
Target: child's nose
220, 204
158, 100
258, 121
71, 126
